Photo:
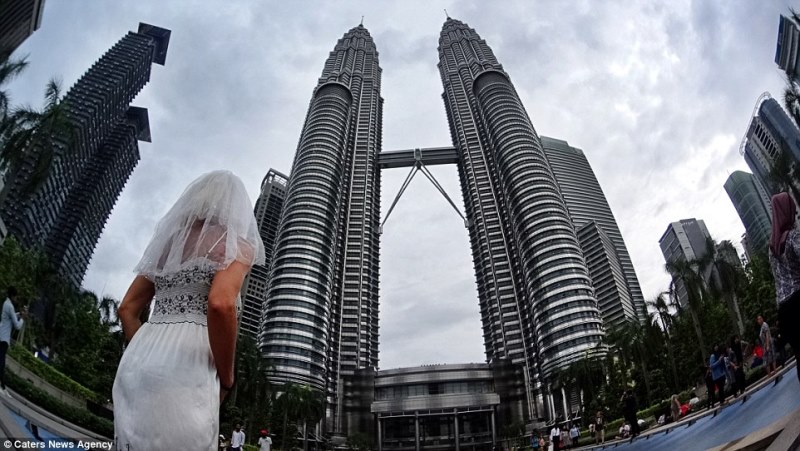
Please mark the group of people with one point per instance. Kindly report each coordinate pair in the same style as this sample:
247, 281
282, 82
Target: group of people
558, 438
726, 369
238, 440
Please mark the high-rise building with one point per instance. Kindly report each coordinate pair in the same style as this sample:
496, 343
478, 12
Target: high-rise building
18, 20
771, 136
321, 312
537, 305
587, 203
787, 51
753, 208
269, 206
536, 300
685, 240
66, 213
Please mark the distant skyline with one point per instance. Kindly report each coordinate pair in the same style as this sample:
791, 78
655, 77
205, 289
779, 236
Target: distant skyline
657, 95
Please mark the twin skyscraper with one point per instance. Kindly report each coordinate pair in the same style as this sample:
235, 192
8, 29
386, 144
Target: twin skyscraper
538, 305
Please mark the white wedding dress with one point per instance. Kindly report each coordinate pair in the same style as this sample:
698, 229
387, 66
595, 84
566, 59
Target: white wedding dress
166, 392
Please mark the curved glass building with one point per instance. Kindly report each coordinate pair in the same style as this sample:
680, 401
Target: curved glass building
536, 297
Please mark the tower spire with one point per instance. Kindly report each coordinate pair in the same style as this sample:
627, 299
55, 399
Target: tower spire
362, 22
445, 13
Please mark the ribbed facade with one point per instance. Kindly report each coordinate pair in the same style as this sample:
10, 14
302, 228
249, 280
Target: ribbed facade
321, 312
536, 300
771, 131
77, 188
752, 208
787, 50
18, 20
685, 240
586, 202
268, 208
608, 276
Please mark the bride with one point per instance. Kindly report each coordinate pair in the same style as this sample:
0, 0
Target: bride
178, 366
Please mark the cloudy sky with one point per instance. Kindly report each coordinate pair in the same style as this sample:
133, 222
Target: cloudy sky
657, 94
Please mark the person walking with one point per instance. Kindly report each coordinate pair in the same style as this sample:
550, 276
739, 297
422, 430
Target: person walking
574, 435
765, 336
629, 409
179, 365
237, 438
555, 438
264, 442
675, 408
717, 364
784, 259
600, 428
9, 319
738, 352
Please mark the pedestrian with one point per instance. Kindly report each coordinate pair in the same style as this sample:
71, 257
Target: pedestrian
555, 438
179, 365
237, 438
534, 441
765, 336
600, 428
566, 442
717, 364
629, 409
675, 408
784, 259
264, 442
10, 319
737, 347
574, 435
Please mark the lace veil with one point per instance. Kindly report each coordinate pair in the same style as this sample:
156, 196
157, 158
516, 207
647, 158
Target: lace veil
211, 222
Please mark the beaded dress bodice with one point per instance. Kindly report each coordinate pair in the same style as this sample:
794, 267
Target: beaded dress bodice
182, 296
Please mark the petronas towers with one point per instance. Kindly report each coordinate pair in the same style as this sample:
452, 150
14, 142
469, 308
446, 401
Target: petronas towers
537, 303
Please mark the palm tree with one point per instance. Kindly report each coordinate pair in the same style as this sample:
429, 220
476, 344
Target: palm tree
686, 275
311, 409
36, 139
9, 69
726, 280
629, 340
661, 306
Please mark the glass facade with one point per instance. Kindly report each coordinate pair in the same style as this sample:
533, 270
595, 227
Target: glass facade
753, 208
620, 300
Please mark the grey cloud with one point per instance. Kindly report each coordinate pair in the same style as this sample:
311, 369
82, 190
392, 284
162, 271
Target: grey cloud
638, 86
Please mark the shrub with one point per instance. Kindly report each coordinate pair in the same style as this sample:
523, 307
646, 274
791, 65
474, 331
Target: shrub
52, 375
80, 417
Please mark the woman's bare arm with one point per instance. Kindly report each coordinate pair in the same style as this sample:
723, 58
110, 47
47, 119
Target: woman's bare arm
222, 321
139, 295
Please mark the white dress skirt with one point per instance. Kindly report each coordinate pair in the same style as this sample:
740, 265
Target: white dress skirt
166, 392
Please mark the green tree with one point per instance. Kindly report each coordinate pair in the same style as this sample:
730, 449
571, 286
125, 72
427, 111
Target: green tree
9, 69
727, 279
35, 140
661, 313
686, 275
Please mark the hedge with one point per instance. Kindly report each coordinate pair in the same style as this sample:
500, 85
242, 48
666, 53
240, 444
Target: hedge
80, 417
52, 375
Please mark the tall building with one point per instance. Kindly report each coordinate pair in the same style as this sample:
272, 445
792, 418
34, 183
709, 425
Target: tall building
536, 300
787, 51
621, 299
537, 305
65, 215
770, 134
18, 20
753, 208
321, 312
268, 214
684, 240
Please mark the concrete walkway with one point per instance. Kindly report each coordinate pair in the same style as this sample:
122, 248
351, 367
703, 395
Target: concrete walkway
767, 412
